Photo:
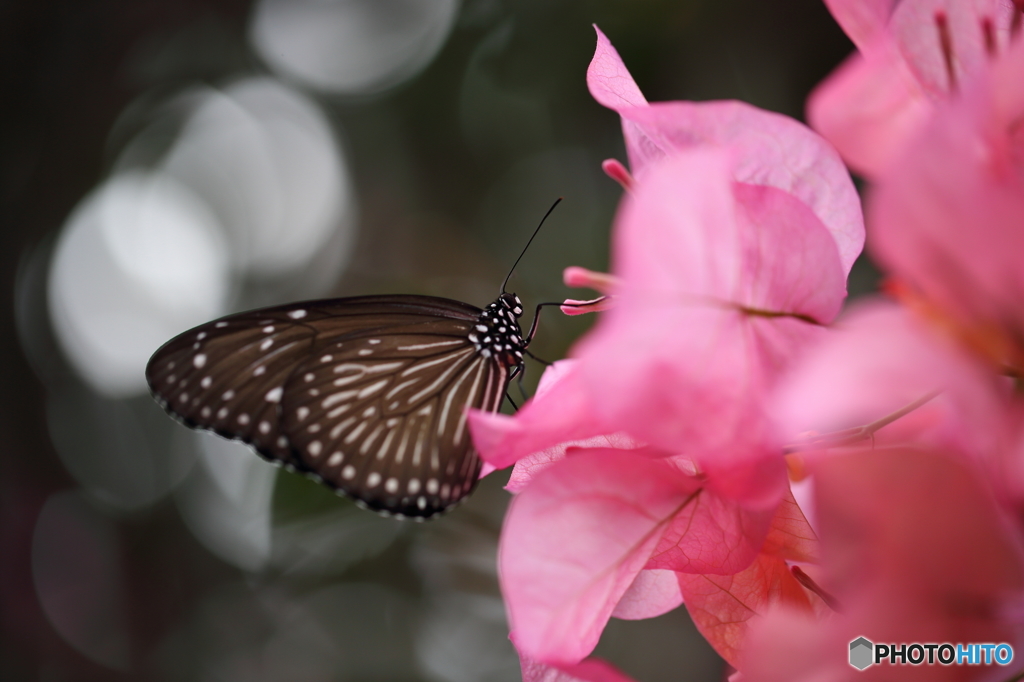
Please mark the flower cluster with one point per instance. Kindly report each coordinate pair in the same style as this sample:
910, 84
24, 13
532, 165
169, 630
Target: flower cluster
653, 467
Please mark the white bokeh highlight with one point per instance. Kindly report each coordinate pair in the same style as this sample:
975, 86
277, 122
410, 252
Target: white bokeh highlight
226, 502
141, 259
265, 159
350, 46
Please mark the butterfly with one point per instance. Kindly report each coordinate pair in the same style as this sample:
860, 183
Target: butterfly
367, 394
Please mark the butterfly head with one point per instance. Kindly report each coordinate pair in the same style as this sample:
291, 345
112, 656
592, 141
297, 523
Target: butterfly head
511, 303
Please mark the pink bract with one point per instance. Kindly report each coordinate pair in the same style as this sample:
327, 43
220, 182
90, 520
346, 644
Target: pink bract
577, 538
558, 418
914, 550
876, 100
590, 670
654, 591
946, 219
724, 607
881, 358
774, 150
721, 286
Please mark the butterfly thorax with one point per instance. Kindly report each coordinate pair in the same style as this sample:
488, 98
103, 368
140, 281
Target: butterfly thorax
497, 333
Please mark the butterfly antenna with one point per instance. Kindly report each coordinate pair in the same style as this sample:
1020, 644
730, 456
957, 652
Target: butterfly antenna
505, 283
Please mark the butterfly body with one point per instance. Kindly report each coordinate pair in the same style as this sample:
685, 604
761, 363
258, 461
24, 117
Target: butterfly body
367, 394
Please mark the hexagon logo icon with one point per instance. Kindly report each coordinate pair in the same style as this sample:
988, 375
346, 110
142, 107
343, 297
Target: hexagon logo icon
860, 653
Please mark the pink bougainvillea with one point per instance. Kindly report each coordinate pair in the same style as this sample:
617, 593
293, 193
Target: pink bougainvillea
914, 550
911, 55
647, 464
651, 467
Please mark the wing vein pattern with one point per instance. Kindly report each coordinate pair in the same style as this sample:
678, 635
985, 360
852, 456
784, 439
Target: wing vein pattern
367, 394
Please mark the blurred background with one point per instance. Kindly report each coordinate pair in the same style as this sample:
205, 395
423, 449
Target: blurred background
164, 162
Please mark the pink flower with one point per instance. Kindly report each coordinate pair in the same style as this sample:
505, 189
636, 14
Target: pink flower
725, 607
775, 151
721, 285
881, 358
647, 468
946, 217
578, 536
914, 550
911, 54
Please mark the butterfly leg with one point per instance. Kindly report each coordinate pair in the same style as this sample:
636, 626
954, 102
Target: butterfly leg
517, 371
540, 360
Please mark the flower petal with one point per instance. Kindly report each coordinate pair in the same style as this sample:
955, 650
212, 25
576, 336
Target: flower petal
946, 219
722, 605
869, 108
863, 20
915, 550
879, 359
716, 283
773, 150
574, 541
560, 411
653, 592
712, 535
590, 670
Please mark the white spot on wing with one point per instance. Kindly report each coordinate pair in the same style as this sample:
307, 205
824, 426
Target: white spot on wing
349, 472
391, 485
267, 343
227, 395
314, 448
243, 419
335, 459
199, 360
205, 383
302, 413
274, 394
297, 314
259, 370
372, 480
264, 427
